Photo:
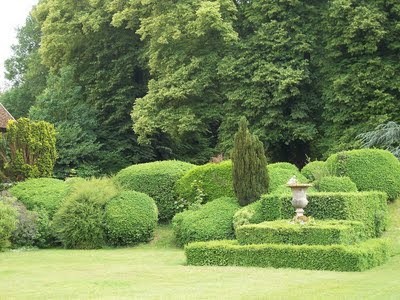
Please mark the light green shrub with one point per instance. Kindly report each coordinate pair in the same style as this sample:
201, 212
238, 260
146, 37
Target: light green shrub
41, 192
8, 223
130, 218
315, 170
311, 233
336, 184
158, 180
367, 207
79, 223
369, 169
212, 221
358, 257
250, 214
279, 176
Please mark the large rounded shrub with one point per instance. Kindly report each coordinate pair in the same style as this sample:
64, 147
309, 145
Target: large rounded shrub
315, 170
41, 192
79, 223
206, 183
130, 218
336, 184
156, 179
213, 221
8, 223
369, 169
279, 176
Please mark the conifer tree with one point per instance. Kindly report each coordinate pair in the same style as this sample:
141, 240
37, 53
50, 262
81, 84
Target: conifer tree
250, 176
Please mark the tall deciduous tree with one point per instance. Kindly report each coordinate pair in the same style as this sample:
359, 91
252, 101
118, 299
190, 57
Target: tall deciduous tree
250, 176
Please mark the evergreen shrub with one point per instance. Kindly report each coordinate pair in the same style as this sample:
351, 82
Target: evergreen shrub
336, 184
212, 221
249, 214
280, 173
367, 207
79, 222
358, 257
310, 233
41, 192
8, 223
369, 169
158, 180
130, 218
315, 170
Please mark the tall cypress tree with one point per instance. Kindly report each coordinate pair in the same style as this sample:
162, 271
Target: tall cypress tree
250, 176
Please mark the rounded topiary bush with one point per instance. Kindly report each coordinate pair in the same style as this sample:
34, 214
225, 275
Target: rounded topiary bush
284, 165
156, 179
315, 170
130, 218
369, 169
213, 221
8, 223
207, 182
336, 184
250, 214
79, 223
41, 192
278, 178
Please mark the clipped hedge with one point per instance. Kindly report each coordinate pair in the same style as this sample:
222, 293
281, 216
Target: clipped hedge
336, 184
212, 221
357, 257
79, 223
207, 182
47, 193
367, 207
369, 169
130, 218
279, 175
250, 214
311, 233
158, 180
315, 170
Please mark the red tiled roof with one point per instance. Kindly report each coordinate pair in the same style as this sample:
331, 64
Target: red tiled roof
5, 116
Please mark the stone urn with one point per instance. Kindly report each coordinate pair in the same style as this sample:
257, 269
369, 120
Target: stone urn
299, 197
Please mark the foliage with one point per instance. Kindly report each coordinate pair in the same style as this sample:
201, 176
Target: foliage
336, 184
367, 207
369, 169
47, 193
250, 214
130, 218
279, 176
249, 166
212, 221
386, 136
8, 223
211, 180
28, 149
310, 233
79, 222
156, 179
357, 257
315, 170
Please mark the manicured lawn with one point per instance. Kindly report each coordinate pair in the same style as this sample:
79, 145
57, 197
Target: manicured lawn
158, 271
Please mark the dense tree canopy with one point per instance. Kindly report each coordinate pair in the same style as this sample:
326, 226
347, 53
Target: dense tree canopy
134, 81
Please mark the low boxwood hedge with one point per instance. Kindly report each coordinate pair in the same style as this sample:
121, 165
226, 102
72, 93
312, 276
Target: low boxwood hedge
158, 180
357, 257
47, 193
130, 218
213, 221
367, 207
336, 184
311, 233
369, 169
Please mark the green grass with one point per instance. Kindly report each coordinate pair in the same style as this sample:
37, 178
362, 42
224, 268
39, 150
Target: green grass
158, 271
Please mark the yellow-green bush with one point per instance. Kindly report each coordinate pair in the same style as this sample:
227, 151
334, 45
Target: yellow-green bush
47, 193
369, 169
358, 257
315, 170
212, 221
8, 223
130, 218
156, 179
336, 184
